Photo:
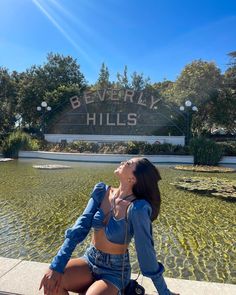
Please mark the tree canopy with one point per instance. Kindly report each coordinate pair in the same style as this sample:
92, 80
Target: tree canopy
8, 100
54, 82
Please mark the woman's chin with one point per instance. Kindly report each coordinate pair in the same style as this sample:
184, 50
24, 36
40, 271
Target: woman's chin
116, 171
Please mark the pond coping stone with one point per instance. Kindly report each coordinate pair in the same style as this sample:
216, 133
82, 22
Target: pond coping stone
115, 158
6, 159
20, 277
51, 166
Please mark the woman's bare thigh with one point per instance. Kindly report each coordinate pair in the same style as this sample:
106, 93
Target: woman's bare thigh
102, 287
77, 276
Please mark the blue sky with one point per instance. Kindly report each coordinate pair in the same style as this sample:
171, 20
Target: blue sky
154, 37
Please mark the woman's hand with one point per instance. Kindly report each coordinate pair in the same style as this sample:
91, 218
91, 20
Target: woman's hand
51, 282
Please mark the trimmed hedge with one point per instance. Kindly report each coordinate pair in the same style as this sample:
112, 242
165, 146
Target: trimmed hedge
205, 151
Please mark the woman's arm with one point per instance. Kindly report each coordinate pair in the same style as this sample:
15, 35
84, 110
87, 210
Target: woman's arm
142, 228
80, 229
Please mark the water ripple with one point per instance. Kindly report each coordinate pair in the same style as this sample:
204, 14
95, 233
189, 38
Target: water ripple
193, 236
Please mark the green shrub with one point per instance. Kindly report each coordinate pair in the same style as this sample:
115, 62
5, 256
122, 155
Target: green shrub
32, 145
133, 147
84, 146
106, 149
181, 150
146, 149
162, 149
205, 151
16, 141
113, 148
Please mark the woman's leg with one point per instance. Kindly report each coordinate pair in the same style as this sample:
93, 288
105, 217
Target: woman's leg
102, 287
77, 277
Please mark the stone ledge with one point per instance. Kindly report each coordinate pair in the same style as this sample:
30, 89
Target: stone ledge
115, 158
19, 277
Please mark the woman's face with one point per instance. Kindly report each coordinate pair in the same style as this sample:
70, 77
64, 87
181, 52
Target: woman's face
125, 169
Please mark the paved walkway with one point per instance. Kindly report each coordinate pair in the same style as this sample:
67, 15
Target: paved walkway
19, 277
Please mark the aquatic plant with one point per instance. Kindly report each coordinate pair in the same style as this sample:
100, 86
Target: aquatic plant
212, 186
204, 168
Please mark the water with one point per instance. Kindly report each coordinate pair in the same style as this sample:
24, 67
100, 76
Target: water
193, 236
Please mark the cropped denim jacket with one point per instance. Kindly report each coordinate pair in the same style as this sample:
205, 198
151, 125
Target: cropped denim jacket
138, 226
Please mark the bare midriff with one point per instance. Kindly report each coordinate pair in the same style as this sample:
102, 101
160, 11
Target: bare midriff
101, 242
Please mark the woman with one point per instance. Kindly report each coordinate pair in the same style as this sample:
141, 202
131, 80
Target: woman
116, 214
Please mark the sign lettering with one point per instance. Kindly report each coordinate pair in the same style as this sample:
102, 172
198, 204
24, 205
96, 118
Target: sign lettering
119, 96
108, 119
115, 111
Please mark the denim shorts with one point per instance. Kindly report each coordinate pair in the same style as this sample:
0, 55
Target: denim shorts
108, 267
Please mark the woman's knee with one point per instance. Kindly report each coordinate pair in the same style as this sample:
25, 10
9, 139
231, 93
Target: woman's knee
102, 287
77, 276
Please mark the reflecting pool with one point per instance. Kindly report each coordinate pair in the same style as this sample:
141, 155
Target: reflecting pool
194, 234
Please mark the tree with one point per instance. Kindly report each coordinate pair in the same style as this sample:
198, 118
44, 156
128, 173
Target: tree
138, 81
59, 77
222, 110
31, 94
233, 56
196, 82
225, 109
230, 74
123, 80
164, 89
103, 78
8, 101
218, 109
60, 70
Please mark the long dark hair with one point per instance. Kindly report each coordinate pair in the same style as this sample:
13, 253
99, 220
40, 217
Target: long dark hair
146, 186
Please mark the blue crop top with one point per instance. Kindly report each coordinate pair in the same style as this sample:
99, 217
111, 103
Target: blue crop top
115, 229
139, 226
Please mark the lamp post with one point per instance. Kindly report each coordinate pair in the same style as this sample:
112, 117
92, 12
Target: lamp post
44, 108
187, 110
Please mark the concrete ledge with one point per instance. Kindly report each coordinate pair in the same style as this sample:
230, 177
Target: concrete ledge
19, 277
102, 158
228, 160
5, 159
115, 158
